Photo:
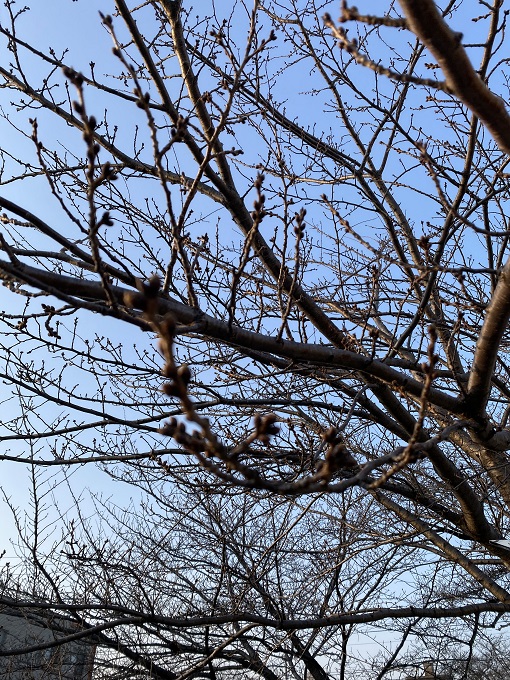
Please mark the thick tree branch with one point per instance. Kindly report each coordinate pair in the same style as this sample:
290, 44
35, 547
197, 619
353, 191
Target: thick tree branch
209, 327
494, 327
426, 22
368, 616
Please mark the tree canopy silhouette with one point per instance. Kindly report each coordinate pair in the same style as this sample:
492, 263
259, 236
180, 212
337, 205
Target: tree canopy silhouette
255, 338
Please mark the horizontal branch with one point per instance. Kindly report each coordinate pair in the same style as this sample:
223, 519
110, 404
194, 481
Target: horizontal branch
207, 326
312, 623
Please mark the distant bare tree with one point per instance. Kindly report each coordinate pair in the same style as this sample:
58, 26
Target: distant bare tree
449, 655
255, 349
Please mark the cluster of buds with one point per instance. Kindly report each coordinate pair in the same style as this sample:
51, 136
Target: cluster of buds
106, 219
218, 36
179, 129
143, 98
162, 463
72, 75
202, 442
299, 229
337, 456
50, 311
148, 301
265, 427
259, 212
107, 173
194, 442
180, 378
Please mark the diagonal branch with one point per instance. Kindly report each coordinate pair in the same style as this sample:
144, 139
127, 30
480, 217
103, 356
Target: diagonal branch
425, 21
451, 552
486, 354
487, 347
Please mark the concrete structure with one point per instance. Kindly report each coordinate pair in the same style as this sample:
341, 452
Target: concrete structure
428, 672
21, 629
